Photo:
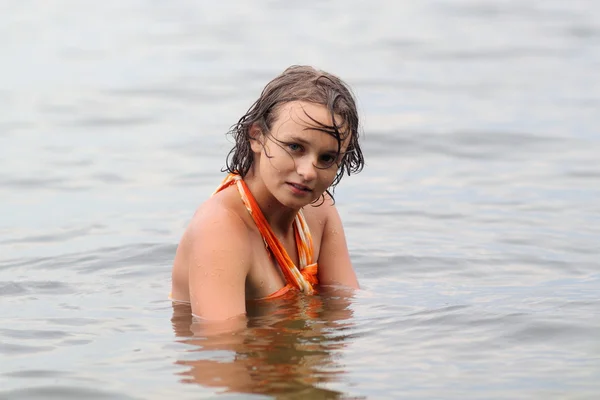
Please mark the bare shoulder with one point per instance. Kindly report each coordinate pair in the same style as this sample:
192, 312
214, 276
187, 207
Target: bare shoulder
218, 227
212, 218
212, 259
335, 266
317, 215
217, 210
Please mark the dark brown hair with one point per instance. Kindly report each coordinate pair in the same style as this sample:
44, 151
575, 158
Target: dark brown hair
300, 83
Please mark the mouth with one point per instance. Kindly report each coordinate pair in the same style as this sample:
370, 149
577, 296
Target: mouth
300, 187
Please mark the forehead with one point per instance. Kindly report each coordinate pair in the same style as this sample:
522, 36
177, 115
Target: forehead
304, 118
300, 111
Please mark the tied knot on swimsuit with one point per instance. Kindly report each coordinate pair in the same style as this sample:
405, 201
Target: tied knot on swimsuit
310, 273
301, 277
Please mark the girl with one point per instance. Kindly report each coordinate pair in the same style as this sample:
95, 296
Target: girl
271, 227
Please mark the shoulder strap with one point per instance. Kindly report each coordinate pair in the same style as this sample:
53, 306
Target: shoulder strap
293, 274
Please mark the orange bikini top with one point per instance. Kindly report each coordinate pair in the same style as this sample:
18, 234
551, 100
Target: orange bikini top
301, 277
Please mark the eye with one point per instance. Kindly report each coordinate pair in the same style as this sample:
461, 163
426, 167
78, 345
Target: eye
294, 147
327, 160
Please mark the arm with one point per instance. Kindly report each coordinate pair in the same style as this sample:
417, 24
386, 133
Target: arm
218, 265
335, 266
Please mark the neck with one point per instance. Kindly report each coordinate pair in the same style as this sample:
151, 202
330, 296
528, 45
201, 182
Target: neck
279, 217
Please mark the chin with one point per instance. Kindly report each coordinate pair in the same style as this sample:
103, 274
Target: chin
295, 203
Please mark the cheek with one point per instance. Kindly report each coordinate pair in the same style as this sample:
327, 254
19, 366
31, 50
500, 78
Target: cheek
331, 174
327, 178
279, 160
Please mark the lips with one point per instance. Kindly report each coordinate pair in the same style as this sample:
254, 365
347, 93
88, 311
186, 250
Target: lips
300, 187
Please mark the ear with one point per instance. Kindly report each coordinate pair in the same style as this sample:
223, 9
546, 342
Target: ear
257, 138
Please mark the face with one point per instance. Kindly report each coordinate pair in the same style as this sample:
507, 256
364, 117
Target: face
296, 161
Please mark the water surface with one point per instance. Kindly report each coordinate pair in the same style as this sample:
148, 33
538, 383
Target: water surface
474, 228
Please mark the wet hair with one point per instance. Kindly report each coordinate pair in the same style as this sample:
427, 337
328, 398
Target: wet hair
301, 83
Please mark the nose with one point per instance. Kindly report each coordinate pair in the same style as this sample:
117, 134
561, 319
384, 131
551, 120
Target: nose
305, 167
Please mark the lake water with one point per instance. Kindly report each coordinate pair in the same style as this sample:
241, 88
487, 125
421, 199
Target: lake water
474, 228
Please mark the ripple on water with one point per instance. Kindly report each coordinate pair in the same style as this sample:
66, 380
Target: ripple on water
468, 145
11, 349
62, 392
37, 373
16, 288
35, 334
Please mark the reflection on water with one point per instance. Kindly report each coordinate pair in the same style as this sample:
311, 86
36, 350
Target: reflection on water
288, 347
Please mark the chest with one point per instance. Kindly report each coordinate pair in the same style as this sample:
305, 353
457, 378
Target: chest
265, 276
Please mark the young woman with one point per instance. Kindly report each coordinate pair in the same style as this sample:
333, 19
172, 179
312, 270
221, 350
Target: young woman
272, 227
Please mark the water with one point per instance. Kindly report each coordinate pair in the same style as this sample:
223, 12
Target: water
474, 228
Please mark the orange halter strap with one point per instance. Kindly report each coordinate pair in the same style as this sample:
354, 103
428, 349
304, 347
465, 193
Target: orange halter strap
302, 277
